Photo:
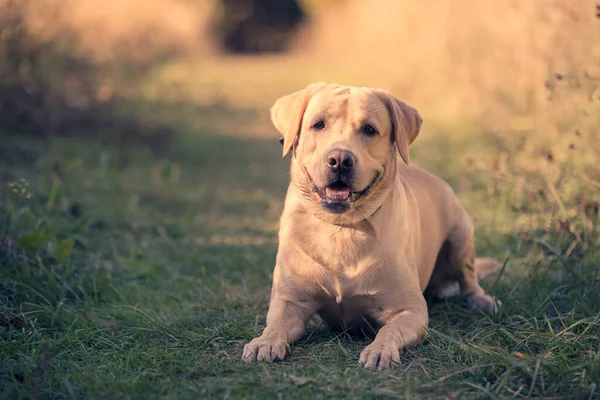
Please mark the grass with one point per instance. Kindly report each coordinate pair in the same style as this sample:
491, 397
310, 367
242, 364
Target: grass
140, 269
131, 271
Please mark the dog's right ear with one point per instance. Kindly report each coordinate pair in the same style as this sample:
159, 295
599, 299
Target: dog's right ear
287, 113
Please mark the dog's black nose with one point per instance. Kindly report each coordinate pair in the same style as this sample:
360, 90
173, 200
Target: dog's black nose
341, 160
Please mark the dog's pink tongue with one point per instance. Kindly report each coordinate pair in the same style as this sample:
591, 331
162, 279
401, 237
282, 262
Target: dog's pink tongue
337, 194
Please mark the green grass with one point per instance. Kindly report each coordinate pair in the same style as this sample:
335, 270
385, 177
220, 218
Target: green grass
133, 274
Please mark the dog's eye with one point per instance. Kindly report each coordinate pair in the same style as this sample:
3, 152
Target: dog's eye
318, 125
369, 130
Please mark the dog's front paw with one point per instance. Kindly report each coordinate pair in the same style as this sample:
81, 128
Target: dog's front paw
379, 356
265, 348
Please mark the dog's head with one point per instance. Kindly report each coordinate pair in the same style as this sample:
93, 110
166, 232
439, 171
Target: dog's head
345, 140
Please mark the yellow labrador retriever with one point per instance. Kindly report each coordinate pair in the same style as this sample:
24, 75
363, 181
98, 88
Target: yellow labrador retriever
364, 233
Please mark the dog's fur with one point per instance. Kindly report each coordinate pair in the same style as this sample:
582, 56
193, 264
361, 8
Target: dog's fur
364, 263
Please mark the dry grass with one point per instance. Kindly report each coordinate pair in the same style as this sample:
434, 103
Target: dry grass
463, 57
489, 65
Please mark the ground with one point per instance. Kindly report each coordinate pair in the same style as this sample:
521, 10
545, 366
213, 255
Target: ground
132, 270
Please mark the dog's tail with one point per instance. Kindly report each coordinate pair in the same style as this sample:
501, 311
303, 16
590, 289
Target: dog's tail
485, 266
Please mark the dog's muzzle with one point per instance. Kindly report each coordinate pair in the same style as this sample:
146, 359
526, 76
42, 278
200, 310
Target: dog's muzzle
337, 196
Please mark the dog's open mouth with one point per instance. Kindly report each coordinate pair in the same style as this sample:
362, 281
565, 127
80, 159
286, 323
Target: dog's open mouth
337, 191
338, 195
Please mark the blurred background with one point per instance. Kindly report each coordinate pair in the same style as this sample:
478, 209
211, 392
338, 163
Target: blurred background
494, 66
512, 86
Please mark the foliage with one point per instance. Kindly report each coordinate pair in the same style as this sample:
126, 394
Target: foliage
57, 77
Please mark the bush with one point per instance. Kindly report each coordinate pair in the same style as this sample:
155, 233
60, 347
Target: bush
41, 83
65, 64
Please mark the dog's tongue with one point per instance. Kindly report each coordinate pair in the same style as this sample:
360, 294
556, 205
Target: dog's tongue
337, 194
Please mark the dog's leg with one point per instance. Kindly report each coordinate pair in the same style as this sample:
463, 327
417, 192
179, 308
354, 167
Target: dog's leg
286, 321
404, 328
461, 258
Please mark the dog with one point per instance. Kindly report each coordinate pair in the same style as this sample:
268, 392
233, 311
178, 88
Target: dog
365, 235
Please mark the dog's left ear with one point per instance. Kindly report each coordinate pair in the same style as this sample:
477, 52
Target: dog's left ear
406, 123
287, 113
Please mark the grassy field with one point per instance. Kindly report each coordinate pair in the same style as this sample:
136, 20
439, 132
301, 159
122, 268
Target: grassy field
138, 267
140, 271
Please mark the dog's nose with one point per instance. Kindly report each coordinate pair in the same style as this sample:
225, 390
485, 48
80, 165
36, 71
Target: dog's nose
341, 160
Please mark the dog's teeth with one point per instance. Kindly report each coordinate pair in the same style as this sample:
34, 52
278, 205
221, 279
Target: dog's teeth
335, 194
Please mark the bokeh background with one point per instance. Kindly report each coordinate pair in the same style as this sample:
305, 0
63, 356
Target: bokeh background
526, 67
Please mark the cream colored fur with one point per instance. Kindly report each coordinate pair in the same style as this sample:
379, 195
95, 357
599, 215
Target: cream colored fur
367, 268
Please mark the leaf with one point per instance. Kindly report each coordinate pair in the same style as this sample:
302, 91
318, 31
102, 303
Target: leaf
33, 241
63, 250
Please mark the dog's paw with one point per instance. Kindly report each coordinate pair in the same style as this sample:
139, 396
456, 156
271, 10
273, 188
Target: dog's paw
484, 302
379, 356
265, 349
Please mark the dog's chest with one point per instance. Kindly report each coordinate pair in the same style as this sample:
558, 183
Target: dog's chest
339, 248
349, 298
341, 262
356, 313
342, 269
